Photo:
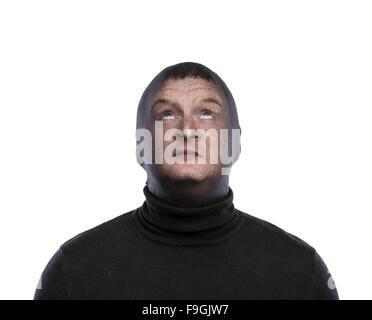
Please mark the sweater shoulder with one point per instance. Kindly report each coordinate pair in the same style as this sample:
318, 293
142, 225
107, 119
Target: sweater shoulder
101, 236
274, 235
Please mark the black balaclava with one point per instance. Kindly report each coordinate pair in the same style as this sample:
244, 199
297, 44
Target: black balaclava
187, 193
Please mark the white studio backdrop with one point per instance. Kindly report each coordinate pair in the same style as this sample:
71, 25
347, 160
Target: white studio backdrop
72, 73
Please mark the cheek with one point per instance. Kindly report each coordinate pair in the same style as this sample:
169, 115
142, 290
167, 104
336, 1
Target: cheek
160, 145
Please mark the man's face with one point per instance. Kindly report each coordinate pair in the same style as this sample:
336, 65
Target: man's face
184, 104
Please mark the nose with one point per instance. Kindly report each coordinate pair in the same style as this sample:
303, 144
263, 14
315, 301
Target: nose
188, 127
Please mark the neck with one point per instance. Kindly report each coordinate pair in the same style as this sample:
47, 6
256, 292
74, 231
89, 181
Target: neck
189, 193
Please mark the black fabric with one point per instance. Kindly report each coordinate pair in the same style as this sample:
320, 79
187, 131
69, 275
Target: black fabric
161, 251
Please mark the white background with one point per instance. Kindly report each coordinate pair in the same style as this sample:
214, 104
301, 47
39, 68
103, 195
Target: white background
72, 73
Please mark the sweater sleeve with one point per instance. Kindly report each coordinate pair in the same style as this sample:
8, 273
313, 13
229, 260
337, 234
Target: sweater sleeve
324, 287
51, 285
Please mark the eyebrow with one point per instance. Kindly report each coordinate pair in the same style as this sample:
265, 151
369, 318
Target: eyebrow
161, 101
209, 99
212, 100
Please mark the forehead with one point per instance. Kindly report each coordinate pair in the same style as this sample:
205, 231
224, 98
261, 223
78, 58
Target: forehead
188, 87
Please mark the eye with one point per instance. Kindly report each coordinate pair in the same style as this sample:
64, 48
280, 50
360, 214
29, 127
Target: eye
206, 115
167, 115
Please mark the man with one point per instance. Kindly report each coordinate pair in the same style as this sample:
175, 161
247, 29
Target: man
187, 240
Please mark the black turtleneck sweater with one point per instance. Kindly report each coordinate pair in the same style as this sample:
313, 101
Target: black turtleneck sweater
161, 251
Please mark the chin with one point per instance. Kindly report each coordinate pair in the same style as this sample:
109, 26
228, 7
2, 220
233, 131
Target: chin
193, 172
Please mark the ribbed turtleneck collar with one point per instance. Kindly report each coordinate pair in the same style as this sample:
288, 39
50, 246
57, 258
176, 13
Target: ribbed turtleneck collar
166, 222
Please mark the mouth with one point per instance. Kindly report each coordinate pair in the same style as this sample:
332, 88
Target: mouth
185, 153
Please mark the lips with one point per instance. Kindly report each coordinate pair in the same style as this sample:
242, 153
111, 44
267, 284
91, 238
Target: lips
190, 152
185, 152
